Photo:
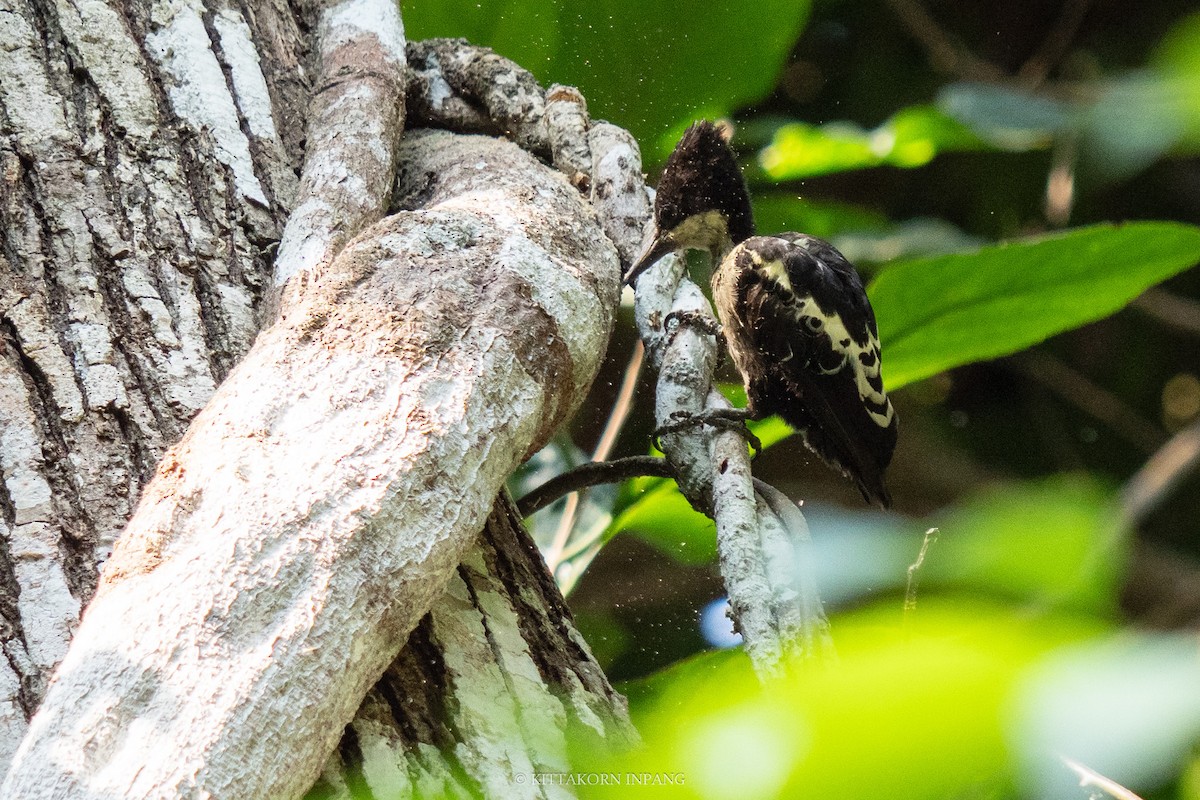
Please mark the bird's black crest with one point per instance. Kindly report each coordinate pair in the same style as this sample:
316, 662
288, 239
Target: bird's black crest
703, 175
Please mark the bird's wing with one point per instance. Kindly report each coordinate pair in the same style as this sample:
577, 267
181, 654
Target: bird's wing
806, 314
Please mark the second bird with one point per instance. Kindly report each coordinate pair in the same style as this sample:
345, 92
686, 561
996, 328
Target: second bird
793, 310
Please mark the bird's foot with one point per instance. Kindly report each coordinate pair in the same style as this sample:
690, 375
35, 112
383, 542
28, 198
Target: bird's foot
696, 319
726, 419
677, 320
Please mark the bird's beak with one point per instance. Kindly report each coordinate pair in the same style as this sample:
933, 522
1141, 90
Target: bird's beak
658, 246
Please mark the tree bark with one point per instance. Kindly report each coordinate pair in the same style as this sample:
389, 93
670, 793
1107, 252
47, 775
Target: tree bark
322, 514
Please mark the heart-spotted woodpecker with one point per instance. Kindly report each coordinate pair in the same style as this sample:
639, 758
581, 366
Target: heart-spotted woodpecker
794, 314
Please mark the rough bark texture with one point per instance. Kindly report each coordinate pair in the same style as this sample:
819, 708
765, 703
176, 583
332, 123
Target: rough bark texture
149, 159
132, 254
470, 688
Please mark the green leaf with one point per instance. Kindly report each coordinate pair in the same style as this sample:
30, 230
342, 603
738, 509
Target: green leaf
946, 311
527, 33
649, 67
911, 138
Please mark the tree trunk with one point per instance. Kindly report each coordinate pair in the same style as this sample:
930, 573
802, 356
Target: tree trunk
321, 518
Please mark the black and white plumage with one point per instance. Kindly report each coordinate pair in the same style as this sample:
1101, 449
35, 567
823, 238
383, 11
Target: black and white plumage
794, 313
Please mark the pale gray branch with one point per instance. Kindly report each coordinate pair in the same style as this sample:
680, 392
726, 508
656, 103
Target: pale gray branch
355, 120
463, 87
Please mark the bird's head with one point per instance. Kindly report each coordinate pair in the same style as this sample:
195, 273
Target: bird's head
702, 202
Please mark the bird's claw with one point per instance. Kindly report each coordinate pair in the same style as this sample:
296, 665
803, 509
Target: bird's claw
696, 319
726, 419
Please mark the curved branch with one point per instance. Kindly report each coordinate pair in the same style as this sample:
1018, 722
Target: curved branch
593, 473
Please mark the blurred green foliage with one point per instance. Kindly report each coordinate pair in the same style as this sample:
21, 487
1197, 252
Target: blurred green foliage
774, 213
952, 191
660, 515
960, 699
1055, 544
1006, 117
911, 138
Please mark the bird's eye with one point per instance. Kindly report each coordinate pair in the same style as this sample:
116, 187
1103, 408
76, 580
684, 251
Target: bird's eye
813, 323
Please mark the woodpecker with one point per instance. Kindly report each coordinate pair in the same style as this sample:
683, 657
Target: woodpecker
793, 311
